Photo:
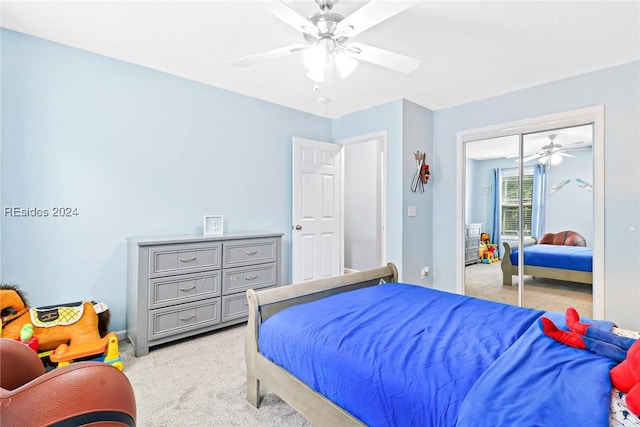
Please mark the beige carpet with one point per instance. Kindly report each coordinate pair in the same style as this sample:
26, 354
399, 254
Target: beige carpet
485, 281
200, 382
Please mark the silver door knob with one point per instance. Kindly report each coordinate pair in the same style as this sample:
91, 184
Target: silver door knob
298, 227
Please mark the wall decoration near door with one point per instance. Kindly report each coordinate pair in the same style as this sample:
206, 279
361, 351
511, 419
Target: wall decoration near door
422, 175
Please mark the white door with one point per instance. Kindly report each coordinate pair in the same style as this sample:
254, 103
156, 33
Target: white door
317, 228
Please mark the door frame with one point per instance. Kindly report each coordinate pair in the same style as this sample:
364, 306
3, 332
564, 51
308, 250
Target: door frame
382, 136
595, 115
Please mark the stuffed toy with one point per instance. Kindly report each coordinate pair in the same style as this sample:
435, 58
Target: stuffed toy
626, 378
626, 375
484, 238
486, 253
75, 323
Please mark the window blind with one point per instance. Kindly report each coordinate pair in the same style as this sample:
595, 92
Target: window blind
510, 200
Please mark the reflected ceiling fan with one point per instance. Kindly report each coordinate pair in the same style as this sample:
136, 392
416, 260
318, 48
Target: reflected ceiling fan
550, 154
327, 39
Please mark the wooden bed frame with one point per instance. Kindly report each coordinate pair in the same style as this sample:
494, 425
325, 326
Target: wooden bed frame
509, 270
316, 408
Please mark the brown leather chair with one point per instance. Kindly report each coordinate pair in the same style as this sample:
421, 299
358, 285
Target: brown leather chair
79, 394
565, 238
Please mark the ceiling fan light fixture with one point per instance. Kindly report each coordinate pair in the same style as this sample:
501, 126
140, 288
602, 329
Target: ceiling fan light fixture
315, 58
345, 64
553, 159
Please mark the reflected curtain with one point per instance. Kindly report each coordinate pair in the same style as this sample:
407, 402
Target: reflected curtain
538, 201
497, 208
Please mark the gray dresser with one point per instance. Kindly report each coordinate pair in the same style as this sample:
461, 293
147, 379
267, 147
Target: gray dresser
178, 286
471, 243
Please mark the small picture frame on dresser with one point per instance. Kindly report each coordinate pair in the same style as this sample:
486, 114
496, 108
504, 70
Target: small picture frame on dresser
213, 225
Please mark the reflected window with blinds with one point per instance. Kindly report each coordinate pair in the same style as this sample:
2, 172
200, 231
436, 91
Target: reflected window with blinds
510, 201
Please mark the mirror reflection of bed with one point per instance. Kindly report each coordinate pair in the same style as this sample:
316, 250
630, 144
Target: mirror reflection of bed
485, 281
556, 197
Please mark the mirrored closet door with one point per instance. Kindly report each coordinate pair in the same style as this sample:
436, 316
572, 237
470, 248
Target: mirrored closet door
536, 190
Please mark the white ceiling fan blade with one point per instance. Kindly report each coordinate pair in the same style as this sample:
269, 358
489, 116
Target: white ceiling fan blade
563, 154
371, 14
575, 146
529, 158
382, 57
291, 17
543, 159
268, 55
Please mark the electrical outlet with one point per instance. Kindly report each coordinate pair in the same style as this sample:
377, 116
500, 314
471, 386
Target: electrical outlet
424, 272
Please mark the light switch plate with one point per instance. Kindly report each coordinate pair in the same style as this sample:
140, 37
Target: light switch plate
412, 211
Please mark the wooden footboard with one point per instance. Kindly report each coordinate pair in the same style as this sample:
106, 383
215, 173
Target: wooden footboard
509, 270
263, 304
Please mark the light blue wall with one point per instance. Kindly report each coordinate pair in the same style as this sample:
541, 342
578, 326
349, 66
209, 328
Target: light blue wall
137, 152
571, 207
386, 117
417, 240
409, 129
618, 88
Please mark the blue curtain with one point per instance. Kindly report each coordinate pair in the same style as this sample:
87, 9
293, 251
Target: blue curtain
497, 208
538, 202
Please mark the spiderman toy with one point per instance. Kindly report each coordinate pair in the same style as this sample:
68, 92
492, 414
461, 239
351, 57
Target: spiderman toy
626, 375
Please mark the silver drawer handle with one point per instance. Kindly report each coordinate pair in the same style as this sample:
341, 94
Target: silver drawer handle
187, 289
187, 259
188, 318
251, 278
251, 253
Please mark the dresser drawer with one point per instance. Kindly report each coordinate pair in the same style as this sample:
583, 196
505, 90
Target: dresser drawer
240, 279
172, 290
471, 256
234, 306
472, 244
473, 231
178, 259
246, 252
173, 320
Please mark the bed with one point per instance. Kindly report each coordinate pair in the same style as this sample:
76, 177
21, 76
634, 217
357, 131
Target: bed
431, 365
560, 256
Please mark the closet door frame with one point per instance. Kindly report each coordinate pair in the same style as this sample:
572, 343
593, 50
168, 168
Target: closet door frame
589, 115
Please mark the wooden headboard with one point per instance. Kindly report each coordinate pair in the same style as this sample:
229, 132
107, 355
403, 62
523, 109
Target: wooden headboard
565, 238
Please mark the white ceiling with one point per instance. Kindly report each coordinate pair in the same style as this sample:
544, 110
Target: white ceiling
469, 50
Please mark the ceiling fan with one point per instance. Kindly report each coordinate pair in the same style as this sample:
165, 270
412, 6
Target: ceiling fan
327, 39
551, 153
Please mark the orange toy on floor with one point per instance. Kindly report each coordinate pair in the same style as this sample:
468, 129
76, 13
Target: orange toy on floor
74, 324
487, 253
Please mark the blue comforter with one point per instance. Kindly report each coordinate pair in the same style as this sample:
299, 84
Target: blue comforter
557, 256
395, 354
404, 355
540, 382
